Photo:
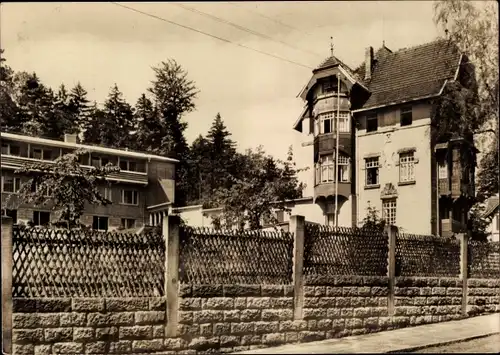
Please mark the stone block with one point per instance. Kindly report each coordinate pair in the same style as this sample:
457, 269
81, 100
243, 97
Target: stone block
185, 290
314, 313
147, 345
332, 291
110, 319
325, 324
158, 331
240, 290
83, 334
240, 303
88, 304
207, 316
223, 328
272, 290
243, 328
312, 324
358, 302
149, 317
403, 301
384, 322
343, 302
232, 316
311, 302
97, 347
371, 323
292, 325
67, 348
20, 336
73, 319
45, 349
248, 315
425, 291
454, 291
362, 312
349, 291
439, 291
379, 311
190, 304
120, 347
53, 335
291, 337
53, 305
159, 303
273, 339
382, 301
347, 312
218, 303
202, 344
448, 282
251, 339
308, 336
126, 304
24, 305
420, 301
333, 312
136, 332
353, 323
309, 291
23, 349
207, 291
401, 321
371, 301
289, 290
265, 327
338, 324
229, 341
444, 300
106, 334
207, 330
327, 302
277, 314
35, 320
281, 302
258, 302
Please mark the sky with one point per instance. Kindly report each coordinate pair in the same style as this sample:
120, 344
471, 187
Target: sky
100, 44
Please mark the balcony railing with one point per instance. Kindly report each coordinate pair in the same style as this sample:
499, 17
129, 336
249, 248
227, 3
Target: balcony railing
125, 176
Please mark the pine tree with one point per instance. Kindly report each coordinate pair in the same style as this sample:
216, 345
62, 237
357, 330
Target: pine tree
200, 161
79, 107
8, 108
92, 128
147, 125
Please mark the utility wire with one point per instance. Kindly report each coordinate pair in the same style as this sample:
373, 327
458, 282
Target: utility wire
241, 28
269, 18
210, 35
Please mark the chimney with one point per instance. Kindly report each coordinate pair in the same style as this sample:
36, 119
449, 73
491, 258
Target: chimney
70, 138
368, 63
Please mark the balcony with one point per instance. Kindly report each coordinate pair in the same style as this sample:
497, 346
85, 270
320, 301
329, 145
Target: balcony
451, 226
15, 162
326, 142
328, 189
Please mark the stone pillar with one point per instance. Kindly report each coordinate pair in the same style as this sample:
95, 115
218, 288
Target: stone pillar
391, 266
171, 234
464, 270
297, 227
7, 234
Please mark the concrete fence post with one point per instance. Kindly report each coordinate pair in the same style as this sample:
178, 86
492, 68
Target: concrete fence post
171, 234
392, 232
7, 263
464, 269
297, 227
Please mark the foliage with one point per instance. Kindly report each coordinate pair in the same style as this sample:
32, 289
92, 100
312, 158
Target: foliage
265, 186
372, 221
489, 173
64, 185
8, 108
477, 224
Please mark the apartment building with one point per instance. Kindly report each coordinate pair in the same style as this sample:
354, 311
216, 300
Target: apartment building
142, 192
388, 154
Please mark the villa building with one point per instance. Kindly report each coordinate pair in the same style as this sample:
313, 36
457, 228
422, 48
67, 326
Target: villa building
374, 144
141, 193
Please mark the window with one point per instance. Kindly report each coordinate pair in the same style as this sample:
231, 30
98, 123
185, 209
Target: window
280, 216
372, 166
100, 223
406, 116
10, 149
108, 194
344, 122
42, 154
497, 217
343, 168
98, 162
41, 218
326, 120
329, 85
128, 223
442, 169
10, 213
5, 148
406, 167
371, 123
327, 168
128, 165
389, 211
10, 184
130, 197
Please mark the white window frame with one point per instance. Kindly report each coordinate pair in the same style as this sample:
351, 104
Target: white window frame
98, 218
407, 167
38, 211
16, 184
108, 194
43, 153
344, 167
371, 117
134, 193
327, 169
327, 116
344, 122
389, 210
127, 161
442, 169
128, 219
405, 110
9, 149
100, 161
371, 163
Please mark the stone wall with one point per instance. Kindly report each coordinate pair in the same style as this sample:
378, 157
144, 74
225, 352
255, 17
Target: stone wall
231, 318
88, 326
483, 295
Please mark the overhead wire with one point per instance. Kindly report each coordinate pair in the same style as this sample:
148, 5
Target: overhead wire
241, 28
210, 35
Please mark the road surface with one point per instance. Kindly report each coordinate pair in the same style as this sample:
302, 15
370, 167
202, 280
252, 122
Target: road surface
490, 344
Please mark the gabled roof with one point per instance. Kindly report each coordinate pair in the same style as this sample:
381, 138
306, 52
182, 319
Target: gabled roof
411, 73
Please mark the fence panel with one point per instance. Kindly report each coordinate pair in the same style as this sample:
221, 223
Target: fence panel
484, 259
344, 251
62, 263
427, 255
210, 256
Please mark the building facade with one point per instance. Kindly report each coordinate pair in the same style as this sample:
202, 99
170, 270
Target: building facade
395, 160
142, 192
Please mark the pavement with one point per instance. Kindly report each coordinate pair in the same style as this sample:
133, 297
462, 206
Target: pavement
399, 340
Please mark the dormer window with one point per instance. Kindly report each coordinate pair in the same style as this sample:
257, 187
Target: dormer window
372, 123
406, 116
329, 86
